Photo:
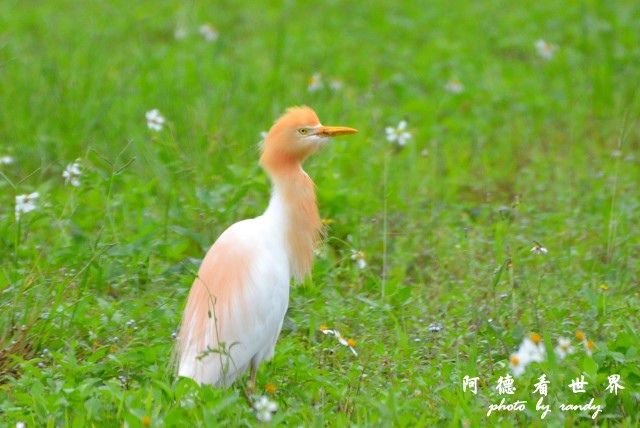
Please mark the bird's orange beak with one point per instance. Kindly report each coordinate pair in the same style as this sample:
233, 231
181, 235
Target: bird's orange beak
334, 131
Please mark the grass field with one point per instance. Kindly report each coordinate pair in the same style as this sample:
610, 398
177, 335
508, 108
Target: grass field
427, 263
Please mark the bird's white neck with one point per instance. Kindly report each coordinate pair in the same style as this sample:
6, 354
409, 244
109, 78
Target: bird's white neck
293, 211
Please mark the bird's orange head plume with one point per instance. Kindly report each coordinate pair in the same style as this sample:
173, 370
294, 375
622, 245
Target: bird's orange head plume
294, 136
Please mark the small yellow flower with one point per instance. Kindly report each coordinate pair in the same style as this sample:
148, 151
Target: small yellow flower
590, 345
270, 388
351, 342
146, 421
580, 335
604, 287
327, 221
515, 360
535, 338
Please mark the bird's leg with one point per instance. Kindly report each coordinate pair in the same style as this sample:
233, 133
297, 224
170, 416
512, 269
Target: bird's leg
252, 379
248, 392
247, 395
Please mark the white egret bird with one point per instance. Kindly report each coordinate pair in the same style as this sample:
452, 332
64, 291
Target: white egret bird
238, 301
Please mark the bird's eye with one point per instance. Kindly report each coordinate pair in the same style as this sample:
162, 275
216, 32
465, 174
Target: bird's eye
303, 131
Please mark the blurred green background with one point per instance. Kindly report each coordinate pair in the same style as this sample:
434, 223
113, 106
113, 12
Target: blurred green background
531, 149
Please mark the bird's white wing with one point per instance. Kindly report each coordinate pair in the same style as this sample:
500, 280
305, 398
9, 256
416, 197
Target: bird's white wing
236, 305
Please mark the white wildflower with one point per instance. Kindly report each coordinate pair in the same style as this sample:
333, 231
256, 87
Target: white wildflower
349, 343
589, 346
454, 86
336, 84
564, 348
517, 364
545, 49
72, 174
398, 135
263, 135
155, 121
539, 249
341, 339
359, 258
26, 203
180, 32
325, 330
264, 409
209, 32
434, 327
21, 424
6, 160
532, 352
315, 83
